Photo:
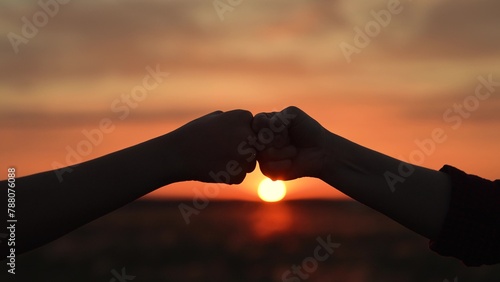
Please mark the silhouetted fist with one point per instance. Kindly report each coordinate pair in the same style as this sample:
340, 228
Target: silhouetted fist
215, 147
293, 144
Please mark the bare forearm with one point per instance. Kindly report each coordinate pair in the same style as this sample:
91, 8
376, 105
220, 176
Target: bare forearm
53, 203
418, 198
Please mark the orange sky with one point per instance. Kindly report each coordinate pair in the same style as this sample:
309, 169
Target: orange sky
261, 57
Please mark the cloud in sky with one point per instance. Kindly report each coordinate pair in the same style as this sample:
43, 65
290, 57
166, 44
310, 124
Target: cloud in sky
91, 52
89, 39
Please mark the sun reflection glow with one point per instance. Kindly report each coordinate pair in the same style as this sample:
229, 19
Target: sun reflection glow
270, 220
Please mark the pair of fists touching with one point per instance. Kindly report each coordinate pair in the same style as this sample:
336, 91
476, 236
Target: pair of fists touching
224, 146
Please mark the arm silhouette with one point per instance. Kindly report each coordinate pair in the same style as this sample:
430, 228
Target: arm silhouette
47, 208
420, 202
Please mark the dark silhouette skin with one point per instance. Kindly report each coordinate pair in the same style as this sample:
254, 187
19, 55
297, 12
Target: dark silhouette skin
47, 209
420, 203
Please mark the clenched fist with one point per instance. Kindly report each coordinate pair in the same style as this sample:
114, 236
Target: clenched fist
298, 148
214, 148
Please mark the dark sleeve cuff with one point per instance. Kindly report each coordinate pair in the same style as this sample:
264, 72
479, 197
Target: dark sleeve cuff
471, 231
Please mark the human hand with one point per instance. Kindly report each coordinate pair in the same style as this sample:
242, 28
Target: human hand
298, 148
214, 147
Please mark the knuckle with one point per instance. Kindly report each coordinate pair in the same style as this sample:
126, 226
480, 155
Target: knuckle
238, 179
245, 113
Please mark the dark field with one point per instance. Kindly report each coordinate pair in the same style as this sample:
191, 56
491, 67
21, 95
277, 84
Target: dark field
243, 241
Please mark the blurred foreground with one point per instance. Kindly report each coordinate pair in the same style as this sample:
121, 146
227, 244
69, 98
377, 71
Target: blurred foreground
243, 241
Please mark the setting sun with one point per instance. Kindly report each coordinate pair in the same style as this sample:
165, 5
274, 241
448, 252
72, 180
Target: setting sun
271, 191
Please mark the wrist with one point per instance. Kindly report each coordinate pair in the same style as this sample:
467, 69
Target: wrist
339, 158
328, 161
166, 159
